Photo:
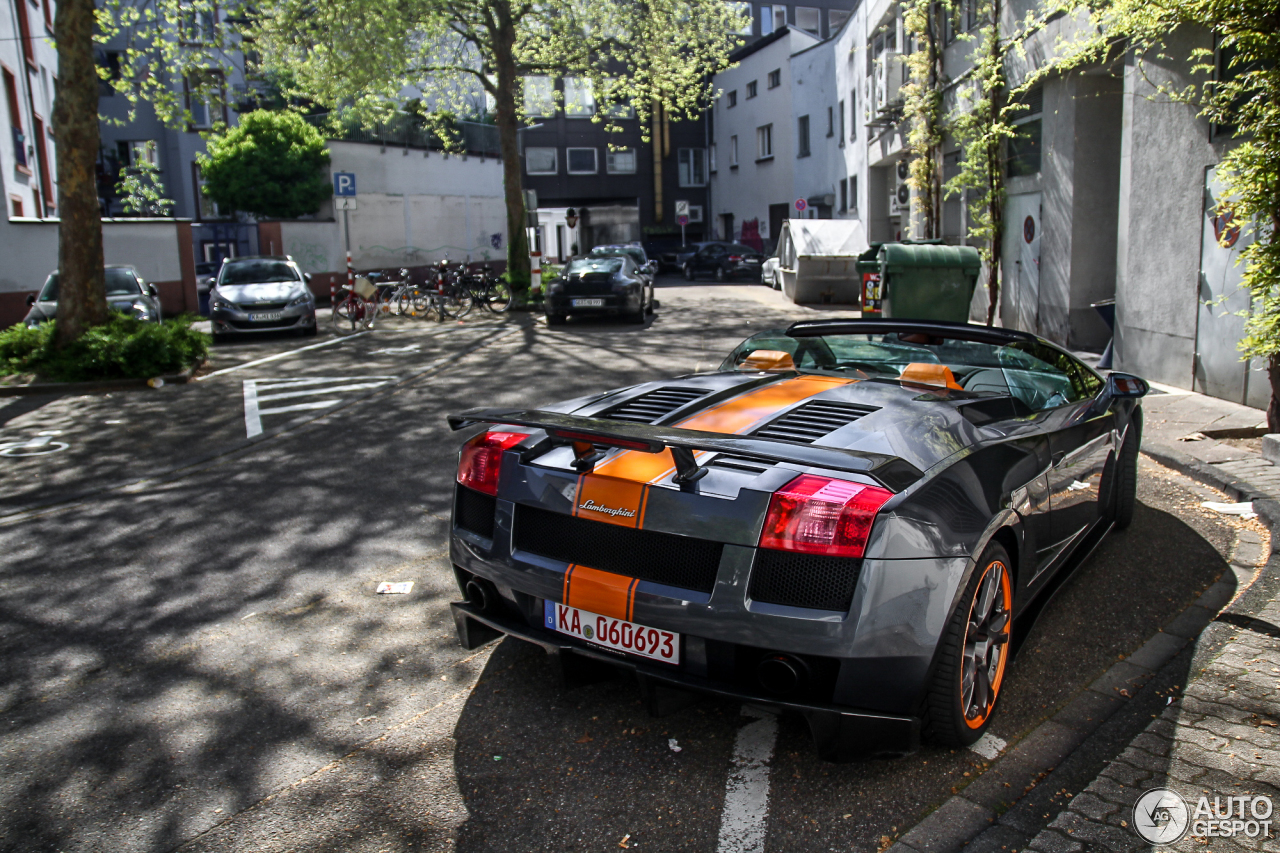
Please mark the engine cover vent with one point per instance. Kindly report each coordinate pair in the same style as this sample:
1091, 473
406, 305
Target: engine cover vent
813, 421
653, 406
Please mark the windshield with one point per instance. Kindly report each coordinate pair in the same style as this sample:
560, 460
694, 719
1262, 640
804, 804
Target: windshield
636, 255
256, 272
1039, 376
593, 265
119, 283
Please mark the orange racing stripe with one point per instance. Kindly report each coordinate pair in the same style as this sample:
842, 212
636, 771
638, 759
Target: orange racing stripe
616, 492
603, 593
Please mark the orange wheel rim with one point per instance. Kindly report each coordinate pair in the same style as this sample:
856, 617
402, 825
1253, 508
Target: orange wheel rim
985, 650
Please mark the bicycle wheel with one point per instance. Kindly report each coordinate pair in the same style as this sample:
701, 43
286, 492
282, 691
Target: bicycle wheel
348, 315
455, 302
498, 297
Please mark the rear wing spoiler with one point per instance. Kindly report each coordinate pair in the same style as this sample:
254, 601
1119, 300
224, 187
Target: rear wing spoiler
583, 433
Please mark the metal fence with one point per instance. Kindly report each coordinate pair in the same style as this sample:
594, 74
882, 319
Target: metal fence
406, 131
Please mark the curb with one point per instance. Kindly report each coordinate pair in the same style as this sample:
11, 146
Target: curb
971, 815
100, 386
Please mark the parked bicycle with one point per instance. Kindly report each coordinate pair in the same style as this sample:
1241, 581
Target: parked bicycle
487, 290
355, 311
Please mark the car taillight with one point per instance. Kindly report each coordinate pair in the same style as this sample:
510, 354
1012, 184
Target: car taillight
735, 258
481, 459
821, 515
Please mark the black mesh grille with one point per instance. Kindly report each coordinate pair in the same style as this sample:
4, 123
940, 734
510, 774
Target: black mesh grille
474, 511
262, 306
812, 421
653, 406
645, 554
804, 580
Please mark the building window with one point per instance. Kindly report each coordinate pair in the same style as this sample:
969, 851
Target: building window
733, 152
842, 124
198, 26
138, 151
766, 20
853, 194
779, 17
48, 15
16, 204
836, 19
580, 161
208, 209
744, 10
711, 163
844, 195
201, 90
579, 97
809, 19
802, 136
695, 213
775, 78
853, 114
539, 97
764, 142
540, 161
733, 98
15, 121
24, 33
620, 162
831, 121
693, 167
1024, 146
751, 89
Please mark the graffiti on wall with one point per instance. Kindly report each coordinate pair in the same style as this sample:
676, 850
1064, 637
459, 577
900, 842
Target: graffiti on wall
312, 257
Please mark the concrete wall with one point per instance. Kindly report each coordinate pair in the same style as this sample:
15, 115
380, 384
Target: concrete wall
1165, 150
160, 249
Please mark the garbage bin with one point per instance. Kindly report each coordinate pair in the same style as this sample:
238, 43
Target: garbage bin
868, 270
927, 281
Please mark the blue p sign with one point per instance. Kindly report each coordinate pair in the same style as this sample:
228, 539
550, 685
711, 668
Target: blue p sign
344, 183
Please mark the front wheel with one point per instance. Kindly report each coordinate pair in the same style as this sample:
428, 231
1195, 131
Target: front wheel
1126, 481
688, 272
975, 651
498, 297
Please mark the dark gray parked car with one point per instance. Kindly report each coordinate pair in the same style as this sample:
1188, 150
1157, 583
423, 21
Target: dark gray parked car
856, 521
127, 291
609, 284
261, 294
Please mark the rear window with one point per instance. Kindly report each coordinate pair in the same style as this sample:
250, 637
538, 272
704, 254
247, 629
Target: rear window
594, 265
119, 283
256, 272
636, 255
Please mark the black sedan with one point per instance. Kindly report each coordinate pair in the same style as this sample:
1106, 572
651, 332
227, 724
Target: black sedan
126, 291
600, 285
724, 261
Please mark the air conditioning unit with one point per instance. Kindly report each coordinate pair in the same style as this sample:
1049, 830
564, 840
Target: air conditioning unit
900, 190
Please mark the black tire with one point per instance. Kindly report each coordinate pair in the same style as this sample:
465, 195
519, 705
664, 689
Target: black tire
688, 272
653, 303
962, 700
310, 331
555, 319
1126, 480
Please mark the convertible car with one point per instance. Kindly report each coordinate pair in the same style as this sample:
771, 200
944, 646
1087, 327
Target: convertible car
852, 520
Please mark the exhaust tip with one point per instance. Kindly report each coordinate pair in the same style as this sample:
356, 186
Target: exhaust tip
781, 675
479, 594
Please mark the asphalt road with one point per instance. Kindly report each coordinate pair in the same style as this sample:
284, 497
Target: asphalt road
192, 655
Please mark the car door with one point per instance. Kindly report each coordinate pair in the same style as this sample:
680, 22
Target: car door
714, 258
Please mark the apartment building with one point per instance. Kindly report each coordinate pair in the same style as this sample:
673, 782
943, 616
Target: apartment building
28, 75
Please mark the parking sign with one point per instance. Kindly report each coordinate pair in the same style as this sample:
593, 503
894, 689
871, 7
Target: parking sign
344, 183
682, 208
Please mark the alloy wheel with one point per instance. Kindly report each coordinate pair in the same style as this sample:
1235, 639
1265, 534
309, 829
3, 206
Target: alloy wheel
986, 645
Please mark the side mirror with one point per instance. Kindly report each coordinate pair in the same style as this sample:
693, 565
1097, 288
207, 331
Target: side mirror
153, 290
1126, 385
306, 276
31, 300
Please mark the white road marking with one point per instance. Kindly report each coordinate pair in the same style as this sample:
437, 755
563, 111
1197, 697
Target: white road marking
746, 797
398, 350
258, 391
989, 746
41, 445
278, 355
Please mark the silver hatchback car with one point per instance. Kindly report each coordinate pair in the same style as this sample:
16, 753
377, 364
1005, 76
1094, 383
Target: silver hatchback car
261, 294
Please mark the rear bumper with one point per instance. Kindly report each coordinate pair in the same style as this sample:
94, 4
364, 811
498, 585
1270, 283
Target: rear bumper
839, 734
238, 323
613, 304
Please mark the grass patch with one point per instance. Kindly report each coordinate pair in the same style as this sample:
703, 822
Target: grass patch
122, 348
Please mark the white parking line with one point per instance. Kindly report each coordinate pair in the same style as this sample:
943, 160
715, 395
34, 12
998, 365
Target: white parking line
278, 355
258, 391
746, 797
989, 746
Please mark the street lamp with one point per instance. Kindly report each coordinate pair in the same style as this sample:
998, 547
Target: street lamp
571, 217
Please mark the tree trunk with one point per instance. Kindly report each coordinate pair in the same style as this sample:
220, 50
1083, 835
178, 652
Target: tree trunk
518, 269
82, 300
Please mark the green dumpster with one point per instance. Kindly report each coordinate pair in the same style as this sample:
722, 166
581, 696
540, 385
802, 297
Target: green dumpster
927, 281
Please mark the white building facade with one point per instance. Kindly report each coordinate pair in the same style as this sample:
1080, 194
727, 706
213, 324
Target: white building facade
28, 75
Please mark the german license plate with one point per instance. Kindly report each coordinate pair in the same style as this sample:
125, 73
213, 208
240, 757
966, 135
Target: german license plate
753, 260
588, 303
267, 316
611, 633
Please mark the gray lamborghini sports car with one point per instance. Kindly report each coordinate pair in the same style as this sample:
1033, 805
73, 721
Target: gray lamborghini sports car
853, 520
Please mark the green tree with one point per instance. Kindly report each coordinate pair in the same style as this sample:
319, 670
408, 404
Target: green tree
142, 192
270, 165
170, 53
650, 55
